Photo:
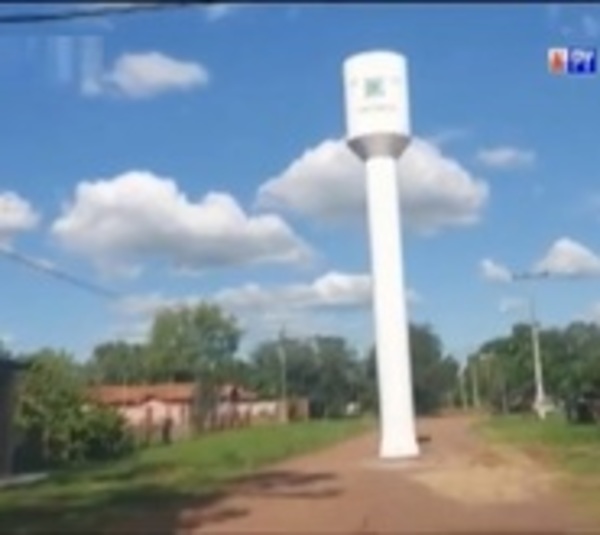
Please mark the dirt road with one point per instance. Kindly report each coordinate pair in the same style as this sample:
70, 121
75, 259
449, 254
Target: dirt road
459, 485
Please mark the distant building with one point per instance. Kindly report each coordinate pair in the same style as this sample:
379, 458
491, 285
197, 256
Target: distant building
149, 407
9, 370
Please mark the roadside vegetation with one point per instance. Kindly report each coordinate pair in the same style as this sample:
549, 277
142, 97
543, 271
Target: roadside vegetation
59, 426
101, 477
154, 486
573, 449
99, 471
500, 372
498, 378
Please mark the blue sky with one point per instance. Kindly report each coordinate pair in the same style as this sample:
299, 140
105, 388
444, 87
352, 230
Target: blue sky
197, 154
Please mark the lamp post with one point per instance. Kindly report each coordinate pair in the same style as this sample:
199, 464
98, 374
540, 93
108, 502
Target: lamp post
475, 382
539, 404
378, 132
462, 387
283, 376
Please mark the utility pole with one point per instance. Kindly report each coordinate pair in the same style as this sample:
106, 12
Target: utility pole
463, 390
540, 394
504, 389
283, 376
475, 382
539, 404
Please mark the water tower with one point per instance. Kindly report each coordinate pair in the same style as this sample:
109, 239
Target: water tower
378, 132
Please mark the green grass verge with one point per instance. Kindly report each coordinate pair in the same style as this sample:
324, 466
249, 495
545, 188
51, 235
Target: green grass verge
156, 484
575, 449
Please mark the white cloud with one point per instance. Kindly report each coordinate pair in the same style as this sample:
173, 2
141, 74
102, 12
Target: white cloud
553, 12
6, 340
447, 135
132, 332
506, 157
584, 26
327, 183
145, 75
574, 22
305, 308
332, 291
567, 257
508, 304
590, 26
493, 271
120, 222
591, 315
216, 12
16, 215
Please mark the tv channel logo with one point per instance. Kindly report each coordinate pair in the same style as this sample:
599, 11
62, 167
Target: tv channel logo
572, 60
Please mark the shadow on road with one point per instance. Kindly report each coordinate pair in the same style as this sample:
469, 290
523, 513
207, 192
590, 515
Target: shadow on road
156, 508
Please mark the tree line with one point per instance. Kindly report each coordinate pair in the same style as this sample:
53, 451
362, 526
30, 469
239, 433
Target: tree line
58, 423
501, 372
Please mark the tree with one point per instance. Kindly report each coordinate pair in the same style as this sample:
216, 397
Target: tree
118, 363
571, 363
183, 344
323, 369
292, 356
367, 389
434, 376
338, 379
187, 340
4, 351
57, 423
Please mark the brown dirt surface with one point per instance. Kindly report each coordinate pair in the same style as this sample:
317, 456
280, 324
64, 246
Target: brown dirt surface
459, 484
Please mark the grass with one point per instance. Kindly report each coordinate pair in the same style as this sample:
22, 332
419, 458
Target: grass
155, 484
574, 449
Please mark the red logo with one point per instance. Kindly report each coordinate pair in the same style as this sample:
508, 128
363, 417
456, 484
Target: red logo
558, 60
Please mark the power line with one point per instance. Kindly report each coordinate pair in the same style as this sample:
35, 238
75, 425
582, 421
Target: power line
75, 14
48, 269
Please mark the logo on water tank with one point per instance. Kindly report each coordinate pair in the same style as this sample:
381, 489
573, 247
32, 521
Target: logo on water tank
373, 87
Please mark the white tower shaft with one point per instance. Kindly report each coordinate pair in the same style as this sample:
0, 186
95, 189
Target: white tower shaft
378, 131
391, 322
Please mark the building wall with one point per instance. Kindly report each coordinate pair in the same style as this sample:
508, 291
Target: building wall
156, 412
264, 411
149, 416
259, 410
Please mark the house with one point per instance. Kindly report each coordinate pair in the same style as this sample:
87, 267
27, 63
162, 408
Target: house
9, 371
149, 407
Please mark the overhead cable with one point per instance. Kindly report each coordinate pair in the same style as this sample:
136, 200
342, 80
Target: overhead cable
53, 271
88, 12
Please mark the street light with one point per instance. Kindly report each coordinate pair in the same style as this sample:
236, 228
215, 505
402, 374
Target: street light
539, 405
281, 353
462, 387
475, 381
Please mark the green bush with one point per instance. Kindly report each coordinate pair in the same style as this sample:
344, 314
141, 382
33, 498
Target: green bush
57, 424
104, 434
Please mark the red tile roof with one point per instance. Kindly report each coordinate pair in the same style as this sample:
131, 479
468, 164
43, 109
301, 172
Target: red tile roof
168, 392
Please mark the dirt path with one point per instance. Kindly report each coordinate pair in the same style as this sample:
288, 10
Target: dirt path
459, 484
